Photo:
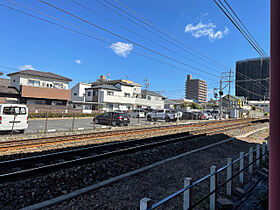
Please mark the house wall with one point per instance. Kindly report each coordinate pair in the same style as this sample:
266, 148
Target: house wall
17, 80
78, 92
45, 93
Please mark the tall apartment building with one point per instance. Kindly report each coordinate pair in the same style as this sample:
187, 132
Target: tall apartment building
196, 89
252, 79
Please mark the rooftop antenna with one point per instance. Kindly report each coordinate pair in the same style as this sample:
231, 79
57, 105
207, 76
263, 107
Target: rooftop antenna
108, 76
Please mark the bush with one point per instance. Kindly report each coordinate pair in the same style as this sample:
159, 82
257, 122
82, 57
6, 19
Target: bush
266, 114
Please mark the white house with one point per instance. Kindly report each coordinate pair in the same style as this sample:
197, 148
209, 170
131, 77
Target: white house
37, 87
261, 104
114, 95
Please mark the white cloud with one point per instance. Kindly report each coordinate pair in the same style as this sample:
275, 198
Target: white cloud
26, 67
121, 49
201, 29
78, 61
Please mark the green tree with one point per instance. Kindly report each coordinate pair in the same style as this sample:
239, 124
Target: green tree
195, 105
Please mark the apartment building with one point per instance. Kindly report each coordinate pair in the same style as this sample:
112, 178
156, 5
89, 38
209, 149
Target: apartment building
196, 89
111, 95
44, 88
252, 79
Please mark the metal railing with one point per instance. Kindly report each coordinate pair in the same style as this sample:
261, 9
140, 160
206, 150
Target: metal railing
146, 203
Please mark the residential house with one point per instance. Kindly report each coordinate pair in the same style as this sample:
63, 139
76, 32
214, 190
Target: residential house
260, 104
176, 103
44, 88
232, 101
9, 95
111, 95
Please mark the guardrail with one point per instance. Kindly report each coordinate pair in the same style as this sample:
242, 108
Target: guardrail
187, 191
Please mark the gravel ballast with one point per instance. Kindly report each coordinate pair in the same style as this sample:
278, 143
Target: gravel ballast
33, 190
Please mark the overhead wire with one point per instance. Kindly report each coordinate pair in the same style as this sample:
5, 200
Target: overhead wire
240, 29
246, 28
167, 34
133, 31
102, 39
126, 39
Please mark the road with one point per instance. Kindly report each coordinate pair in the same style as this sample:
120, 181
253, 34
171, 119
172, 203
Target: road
36, 126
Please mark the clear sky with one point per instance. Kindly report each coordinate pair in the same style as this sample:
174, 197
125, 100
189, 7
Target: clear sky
27, 42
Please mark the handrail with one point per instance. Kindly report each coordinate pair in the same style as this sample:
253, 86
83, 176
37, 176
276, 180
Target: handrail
173, 195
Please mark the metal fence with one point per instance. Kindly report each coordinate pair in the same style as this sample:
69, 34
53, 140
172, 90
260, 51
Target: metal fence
187, 191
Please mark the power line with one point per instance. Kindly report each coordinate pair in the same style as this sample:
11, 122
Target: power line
236, 24
87, 35
167, 34
246, 77
134, 32
246, 28
126, 39
249, 91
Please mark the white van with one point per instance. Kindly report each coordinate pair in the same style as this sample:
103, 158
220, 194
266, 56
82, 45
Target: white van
13, 117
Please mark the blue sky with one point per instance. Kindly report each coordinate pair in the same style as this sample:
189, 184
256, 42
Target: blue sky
29, 42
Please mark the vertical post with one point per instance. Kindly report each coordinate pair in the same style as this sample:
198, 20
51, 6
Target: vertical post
258, 156
138, 115
263, 152
213, 183
229, 175
46, 123
73, 121
251, 156
12, 132
221, 94
187, 194
241, 167
145, 203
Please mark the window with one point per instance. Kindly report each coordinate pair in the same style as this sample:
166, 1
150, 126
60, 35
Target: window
127, 95
110, 93
149, 98
34, 83
14, 110
75, 94
89, 93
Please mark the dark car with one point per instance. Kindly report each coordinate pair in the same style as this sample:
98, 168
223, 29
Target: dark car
112, 118
192, 116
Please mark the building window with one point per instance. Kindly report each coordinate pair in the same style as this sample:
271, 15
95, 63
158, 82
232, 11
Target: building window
127, 95
110, 93
75, 94
33, 83
89, 93
149, 98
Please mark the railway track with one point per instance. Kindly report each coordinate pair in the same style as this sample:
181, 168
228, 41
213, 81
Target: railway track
25, 143
13, 169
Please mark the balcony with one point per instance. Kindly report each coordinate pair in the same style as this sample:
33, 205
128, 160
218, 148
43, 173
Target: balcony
47, 93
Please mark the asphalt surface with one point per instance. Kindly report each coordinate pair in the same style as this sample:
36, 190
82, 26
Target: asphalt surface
36, 126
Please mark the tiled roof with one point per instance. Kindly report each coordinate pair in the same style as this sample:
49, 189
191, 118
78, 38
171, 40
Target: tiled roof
8, 90
103, 86
4, 82
41, 74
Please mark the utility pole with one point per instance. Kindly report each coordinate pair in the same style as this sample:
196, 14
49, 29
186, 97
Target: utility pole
146, 84
221, 94
229, 89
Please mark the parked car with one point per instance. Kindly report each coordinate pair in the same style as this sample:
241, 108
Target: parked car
156, 114
112, 118
215, 113
137, 113
172, 115
192, 115
13, 117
